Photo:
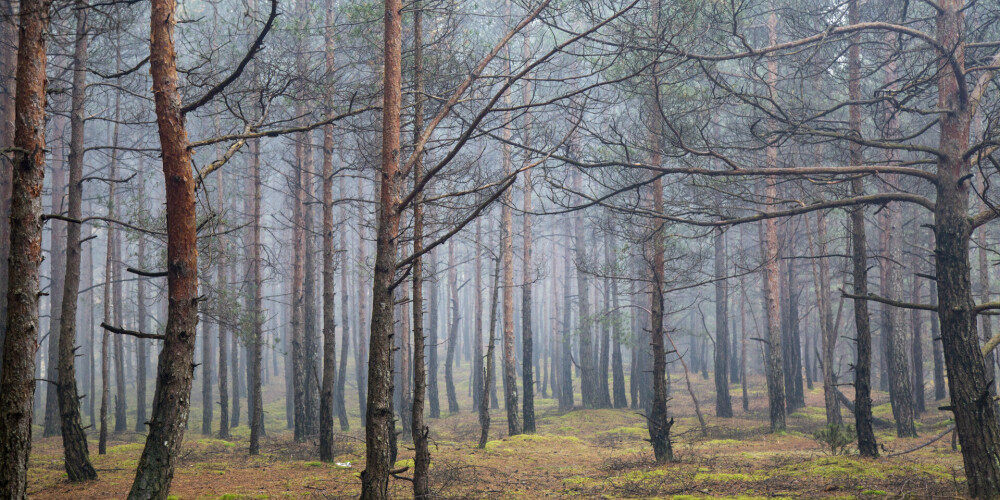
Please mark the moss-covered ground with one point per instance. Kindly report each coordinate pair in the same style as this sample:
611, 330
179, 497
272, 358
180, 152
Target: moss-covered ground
578, 454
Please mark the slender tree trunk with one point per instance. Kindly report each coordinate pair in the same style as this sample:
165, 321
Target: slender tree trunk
109, 278
175, 368
206, 377
791, 341
565, 364
603, 390
488, 377
255, 404
345, 328
375, 477
449, 376
422, 454
723, 404
828, 337
57, 269
17, 386
362, 354
121, 404
916, 346
142, 358
234, 415
588, 372
900, 391
867, 446
221, 284
772, 275
527, 340
618, 371
8, 70
432, 339
507, 253
298, 297
940, 387
477, 335
77, 454
326, 393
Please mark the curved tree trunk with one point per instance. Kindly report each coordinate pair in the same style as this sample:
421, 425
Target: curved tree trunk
175, 369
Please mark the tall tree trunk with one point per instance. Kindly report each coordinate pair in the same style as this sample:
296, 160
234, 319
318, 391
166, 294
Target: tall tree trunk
657, 420
432, 339
326, 393
311, 348
422, 454
527, 276
617, 368
588, 372
916, 346
772, 275
77, 455
223, 319
478, 384
175, 369
345, 328
565, 364
88, 274
791, 344
8, 70
256, 403
206, 377
109, 278
900, 392
57, 266
142, 358
234, 415
449, 376
375, 477
121, 404
17, 385
361, 361
507, 253
489, 374
298, 297
974, 410
827, 333
723, 404
867, 446
603, 391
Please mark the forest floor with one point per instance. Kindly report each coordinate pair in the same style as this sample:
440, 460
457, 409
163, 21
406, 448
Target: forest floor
581, 453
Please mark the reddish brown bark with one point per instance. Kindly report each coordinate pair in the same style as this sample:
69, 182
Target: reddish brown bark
17, 385
375, 477
175, 369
